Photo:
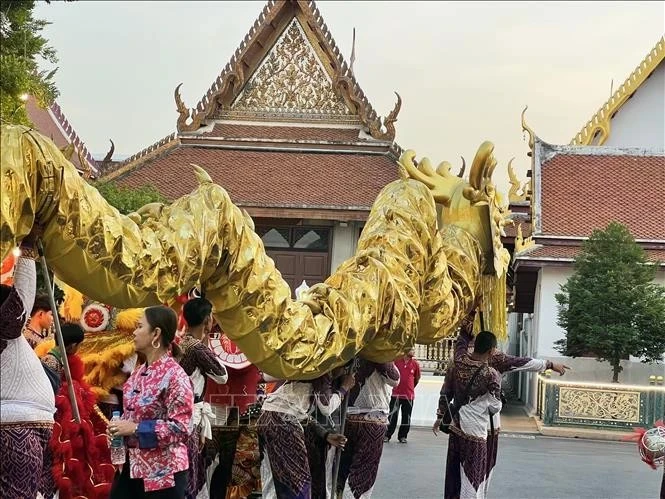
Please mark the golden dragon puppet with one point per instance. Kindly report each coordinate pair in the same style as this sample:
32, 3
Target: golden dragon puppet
430, 246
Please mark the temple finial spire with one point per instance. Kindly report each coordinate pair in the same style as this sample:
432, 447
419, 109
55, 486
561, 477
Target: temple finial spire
353, 52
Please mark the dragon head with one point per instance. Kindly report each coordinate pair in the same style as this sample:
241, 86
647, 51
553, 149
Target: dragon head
473, 204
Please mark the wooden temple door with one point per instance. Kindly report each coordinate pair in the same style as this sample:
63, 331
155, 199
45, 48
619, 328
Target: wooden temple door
301, 253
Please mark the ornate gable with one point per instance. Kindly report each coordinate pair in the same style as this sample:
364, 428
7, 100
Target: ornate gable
291, 80
287, 68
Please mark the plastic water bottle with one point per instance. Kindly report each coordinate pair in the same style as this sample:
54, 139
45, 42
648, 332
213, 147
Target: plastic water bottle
117, 444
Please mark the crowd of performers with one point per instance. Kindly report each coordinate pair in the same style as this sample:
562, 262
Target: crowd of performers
193, 426
278, 439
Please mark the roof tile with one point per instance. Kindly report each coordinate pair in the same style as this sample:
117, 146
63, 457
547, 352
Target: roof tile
271, 178
570, 252
581, 193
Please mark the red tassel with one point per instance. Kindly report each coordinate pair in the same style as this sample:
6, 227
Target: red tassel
81, 457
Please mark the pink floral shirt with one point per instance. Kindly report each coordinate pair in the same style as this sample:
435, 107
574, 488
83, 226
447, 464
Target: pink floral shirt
159, 398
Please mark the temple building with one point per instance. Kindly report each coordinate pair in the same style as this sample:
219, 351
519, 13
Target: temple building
612, 170
288, 132
53, 123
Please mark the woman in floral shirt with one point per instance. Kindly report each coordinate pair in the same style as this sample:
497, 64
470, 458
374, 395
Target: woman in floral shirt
157, 418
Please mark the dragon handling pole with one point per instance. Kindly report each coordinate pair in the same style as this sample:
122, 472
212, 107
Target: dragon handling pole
342, 427
58, 332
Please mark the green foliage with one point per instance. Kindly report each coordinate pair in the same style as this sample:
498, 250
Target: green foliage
611, 306
127, 200
21, 47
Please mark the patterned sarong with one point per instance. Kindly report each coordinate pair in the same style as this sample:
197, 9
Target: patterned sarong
285, 469
492, 451
359, 464
317, 451
25, 460
466, 467
196, 474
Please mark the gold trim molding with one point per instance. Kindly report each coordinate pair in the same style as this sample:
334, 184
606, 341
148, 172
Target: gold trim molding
597, 129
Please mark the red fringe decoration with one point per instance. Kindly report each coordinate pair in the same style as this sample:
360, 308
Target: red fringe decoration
81, 457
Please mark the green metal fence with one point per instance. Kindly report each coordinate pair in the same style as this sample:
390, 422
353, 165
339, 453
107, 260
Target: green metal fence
600, 405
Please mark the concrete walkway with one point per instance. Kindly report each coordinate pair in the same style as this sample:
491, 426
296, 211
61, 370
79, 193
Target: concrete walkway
528, 467
515, 420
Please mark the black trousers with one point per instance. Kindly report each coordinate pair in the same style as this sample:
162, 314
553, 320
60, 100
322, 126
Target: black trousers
125, 487
405, 406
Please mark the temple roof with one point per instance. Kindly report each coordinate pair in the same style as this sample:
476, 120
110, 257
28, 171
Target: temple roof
567, 254
285, 125
287, 68
597, 129
579, 189
298, 180
53, 123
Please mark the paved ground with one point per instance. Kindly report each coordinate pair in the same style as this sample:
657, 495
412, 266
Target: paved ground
529, 467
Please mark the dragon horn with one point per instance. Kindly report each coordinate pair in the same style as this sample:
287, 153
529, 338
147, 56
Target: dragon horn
201, 175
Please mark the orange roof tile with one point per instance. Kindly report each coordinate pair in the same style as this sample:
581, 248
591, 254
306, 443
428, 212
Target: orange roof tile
271, 178
568, 253
583, 192
52, 123
511, 230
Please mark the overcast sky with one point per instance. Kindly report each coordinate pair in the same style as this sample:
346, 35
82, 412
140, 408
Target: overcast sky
465, 70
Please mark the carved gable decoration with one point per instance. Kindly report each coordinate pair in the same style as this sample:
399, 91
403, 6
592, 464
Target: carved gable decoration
291, 80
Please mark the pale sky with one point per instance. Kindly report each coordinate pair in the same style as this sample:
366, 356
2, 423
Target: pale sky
465, 70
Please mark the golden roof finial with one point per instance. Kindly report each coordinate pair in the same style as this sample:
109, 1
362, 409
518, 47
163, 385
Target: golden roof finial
514, 196
522, 243
526, 128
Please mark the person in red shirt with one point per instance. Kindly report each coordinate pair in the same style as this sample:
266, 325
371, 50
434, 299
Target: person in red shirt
403, 396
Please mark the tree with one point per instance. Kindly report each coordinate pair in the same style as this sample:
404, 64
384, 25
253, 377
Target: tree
126, 199
611, 306
21, 48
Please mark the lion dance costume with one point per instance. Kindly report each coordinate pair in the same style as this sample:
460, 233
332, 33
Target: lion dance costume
108, 349
81, 459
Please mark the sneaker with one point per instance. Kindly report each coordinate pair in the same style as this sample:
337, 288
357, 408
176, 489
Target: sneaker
386, 440
402, 440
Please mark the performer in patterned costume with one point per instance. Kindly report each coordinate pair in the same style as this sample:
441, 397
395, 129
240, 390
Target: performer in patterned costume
26, 398
238, 474
199, 363
503, 363
39, 325
467, 461
320, 453
285, 468
366, 425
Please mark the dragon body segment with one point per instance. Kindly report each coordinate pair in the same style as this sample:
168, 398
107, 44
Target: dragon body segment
412, 279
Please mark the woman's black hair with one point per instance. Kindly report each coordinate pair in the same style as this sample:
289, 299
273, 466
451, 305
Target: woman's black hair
166, 320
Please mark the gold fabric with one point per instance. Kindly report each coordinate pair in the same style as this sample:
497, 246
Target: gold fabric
408, 282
